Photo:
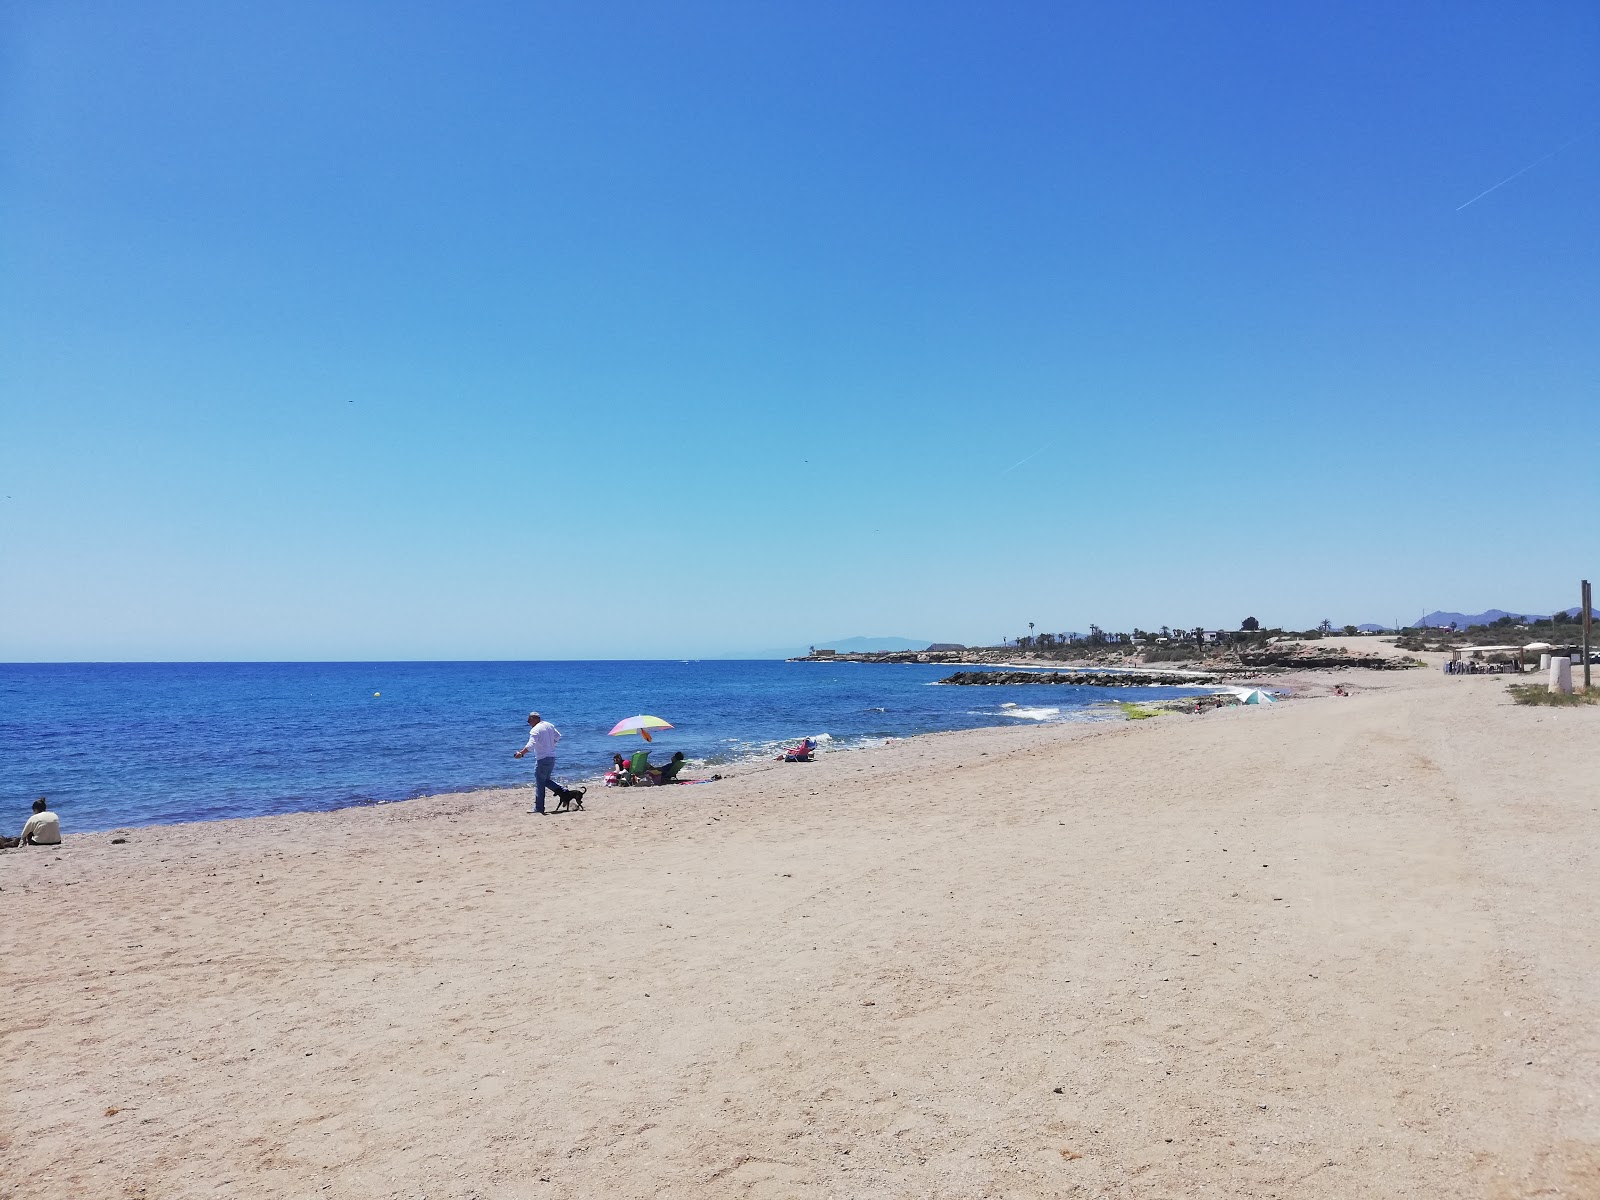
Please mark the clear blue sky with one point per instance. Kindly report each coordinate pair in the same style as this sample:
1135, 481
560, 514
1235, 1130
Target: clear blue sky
521, 331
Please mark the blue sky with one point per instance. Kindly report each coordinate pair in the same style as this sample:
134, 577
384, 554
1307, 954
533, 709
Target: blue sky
520, 331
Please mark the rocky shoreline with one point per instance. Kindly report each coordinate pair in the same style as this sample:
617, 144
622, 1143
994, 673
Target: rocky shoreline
1123, 670
1246, 666
1306, 661
1088, 678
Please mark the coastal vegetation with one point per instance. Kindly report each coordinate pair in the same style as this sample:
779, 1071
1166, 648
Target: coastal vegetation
1250, 647
1538, 693
1169, 643
1562, 629
1210, 652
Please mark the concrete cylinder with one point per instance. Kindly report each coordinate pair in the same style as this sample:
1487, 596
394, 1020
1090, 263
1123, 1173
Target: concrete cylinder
1561, 675
1544, 662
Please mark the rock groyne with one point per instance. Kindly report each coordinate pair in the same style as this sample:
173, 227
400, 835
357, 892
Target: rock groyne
1081, 678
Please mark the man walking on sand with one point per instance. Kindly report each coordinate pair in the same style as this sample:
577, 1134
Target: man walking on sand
542, 739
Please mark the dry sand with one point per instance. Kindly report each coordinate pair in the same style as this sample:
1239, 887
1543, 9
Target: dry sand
1333, 948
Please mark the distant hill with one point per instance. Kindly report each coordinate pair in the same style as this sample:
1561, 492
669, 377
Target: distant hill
1439, 620
850, 645
1370, 628
863, 645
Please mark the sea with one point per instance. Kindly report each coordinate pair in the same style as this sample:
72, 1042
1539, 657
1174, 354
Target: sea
115, 745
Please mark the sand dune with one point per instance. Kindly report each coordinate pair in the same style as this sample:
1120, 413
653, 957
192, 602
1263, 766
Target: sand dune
1333, 948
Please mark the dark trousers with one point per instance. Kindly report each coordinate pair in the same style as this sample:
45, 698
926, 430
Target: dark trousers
541, 780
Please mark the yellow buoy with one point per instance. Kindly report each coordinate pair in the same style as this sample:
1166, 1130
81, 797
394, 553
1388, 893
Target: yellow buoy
377, 693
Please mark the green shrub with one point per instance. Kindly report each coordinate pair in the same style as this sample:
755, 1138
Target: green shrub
1539, 693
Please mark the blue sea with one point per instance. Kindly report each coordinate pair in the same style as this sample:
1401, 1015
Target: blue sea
128, 744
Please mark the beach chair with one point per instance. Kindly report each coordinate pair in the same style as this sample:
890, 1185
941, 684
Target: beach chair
670, 771
639, 767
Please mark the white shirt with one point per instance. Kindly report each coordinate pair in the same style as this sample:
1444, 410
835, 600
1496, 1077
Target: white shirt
45, 828
542, 739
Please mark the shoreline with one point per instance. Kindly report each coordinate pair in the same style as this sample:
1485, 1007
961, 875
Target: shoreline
738, 768
1308, 686
733, 768
701, 766
1259, 951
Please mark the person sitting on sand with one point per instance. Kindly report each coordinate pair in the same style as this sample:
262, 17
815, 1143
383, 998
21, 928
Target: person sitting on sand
43, 828
618, 775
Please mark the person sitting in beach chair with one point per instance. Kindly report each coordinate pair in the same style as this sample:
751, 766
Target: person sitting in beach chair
806, 751
639, 767
668, 773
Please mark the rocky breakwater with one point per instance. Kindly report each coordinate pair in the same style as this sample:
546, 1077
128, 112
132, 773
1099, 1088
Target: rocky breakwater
1080, 678
1301, 660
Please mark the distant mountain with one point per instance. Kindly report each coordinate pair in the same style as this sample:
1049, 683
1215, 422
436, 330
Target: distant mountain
864, 645
851, 645
1370, 628
1439, 620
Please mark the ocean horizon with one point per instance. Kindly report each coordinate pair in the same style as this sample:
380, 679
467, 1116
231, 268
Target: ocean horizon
135, 744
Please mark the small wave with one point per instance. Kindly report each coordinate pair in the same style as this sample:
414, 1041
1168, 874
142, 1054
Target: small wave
1020, 713
743, 750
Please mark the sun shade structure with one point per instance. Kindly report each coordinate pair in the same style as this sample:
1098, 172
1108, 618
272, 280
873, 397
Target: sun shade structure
642, 725
1257, 696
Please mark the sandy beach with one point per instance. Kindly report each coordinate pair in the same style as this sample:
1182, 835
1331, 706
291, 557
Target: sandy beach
1331, 948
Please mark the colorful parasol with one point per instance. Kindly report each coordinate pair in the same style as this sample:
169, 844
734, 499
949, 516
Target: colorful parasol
641, 725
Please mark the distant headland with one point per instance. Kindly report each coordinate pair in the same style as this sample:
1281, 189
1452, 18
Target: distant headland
1250, 649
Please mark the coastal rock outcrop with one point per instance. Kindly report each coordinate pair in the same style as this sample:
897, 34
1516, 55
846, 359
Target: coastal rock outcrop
1303, 659
1081, 678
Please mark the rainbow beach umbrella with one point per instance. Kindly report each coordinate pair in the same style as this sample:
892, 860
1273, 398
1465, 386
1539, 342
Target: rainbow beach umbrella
640, 725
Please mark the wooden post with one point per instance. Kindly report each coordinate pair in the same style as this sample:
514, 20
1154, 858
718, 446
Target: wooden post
1587, 608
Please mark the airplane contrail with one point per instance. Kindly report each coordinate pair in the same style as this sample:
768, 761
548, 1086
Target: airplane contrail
1035, 454
1524, 171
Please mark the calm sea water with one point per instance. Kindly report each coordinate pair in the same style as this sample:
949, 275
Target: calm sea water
125, 744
